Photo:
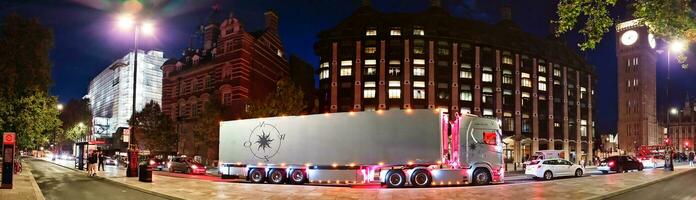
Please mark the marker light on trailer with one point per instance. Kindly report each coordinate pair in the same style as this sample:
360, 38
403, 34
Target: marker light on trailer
334, 165
380, 163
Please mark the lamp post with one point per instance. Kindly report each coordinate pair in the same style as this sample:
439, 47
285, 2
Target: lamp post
53, 139
125, 22
676, 46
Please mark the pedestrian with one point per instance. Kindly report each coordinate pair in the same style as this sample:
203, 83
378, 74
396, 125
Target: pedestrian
92, 164
102, 158
691, 159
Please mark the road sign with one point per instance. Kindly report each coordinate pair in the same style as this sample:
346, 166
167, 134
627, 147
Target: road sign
9, 138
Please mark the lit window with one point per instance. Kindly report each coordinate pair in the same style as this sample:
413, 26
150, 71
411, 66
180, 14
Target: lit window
346, 71
542, 79
524, 75
507, 92
419, 84
557, 72
395, 32
556, 124
418, 31
324, 74
465, 74
394, 62
394, 83
525, 95
487, 69
418, 93
541, 69
487, 90
443, 51
418, 71
466, 66
556, 82
346, 63
324, 65
370, 62
542, 86
487, 112
419, 61
464, 110
394, 71
487, 77
465, 96
369, 93
526, 81
418, 50
507, 60
370, 50
370, 70
370, 84
371, 32
394, 93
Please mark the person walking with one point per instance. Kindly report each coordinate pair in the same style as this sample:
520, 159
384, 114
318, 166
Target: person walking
92, 164
691, 159
101, 160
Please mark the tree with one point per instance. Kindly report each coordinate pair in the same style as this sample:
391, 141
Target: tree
206, 127
288, 99
25, 106
77, 120
302, 75
667, 19
153, 129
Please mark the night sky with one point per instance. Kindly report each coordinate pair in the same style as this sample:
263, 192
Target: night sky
86, 41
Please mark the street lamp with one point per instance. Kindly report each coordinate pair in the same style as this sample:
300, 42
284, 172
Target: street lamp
676, 46
128, 21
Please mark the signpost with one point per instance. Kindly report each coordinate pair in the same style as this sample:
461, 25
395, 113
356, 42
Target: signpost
8, 146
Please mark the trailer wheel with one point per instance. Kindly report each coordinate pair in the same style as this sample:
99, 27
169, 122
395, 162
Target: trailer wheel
257, 175
395, 179
421, 178
277, 176
482, 177
298, 177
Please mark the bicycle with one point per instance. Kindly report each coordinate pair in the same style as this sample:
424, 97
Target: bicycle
17, 166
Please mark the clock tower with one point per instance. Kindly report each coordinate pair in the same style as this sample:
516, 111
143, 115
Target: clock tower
636, 65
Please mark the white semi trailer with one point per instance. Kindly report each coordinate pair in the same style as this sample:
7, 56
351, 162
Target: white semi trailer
397, 148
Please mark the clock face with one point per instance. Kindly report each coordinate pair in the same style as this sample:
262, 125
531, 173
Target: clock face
651, 40
629, 37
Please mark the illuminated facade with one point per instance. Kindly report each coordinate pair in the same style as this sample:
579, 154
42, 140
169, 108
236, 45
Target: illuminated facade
111, 91
683, 126
541, 90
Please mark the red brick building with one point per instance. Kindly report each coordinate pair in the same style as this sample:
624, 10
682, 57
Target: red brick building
233, 65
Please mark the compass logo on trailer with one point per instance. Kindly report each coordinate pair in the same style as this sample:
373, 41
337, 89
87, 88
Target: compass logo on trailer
264, 141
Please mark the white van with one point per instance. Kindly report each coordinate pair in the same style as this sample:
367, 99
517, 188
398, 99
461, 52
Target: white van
542, 155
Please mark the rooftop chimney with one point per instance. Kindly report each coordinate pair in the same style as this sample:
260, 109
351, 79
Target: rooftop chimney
506, 12
435, 3
271, 20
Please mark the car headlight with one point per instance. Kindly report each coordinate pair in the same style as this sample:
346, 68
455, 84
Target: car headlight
194, 167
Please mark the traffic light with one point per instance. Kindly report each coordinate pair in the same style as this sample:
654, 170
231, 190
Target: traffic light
667, 141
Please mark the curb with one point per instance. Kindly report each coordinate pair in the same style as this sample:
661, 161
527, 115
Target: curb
122, 184
37, 191
639, 186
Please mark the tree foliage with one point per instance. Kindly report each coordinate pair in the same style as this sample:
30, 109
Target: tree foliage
666, 19
77, 120
153, 129
288, 99
206, 127
25, 106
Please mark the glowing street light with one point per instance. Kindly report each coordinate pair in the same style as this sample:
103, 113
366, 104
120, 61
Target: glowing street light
148, 28
59, 107
677, 46
125, 21
673, 111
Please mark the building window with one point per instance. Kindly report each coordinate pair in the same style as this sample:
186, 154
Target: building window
541, 69
346, 71
227, 98
507, 60
465, 74
418, 71
346, 63
370, 50
583, 91
418, 50
526, 81
371, 32
395, 32
486, 77
419, 84
418, 31
487, 112
394, 83
395, 93
394, 71
324, 74
370, 70
542, 83
324, 65
465, 66
369, 93
418, 93
556, 82
557, 72
419, 61
443, 51
465, 96
370, 62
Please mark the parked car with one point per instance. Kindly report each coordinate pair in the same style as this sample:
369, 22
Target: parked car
547, 169
652, 161
619, 164
185, 165
157, 164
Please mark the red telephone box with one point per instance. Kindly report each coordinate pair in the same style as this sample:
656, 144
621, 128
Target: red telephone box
8, 150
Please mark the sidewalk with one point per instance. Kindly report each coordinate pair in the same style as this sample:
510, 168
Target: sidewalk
24, 186
570, 188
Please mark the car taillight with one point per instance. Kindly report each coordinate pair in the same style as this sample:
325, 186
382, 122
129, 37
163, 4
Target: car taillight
152, 162
611, 163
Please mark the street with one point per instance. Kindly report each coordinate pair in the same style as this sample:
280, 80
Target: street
57, 182
679, 187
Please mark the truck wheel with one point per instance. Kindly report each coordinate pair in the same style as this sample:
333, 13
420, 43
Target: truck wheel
548, 175
257, 175
277, 176
421, 178
298, 177
395, 179
481, 177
